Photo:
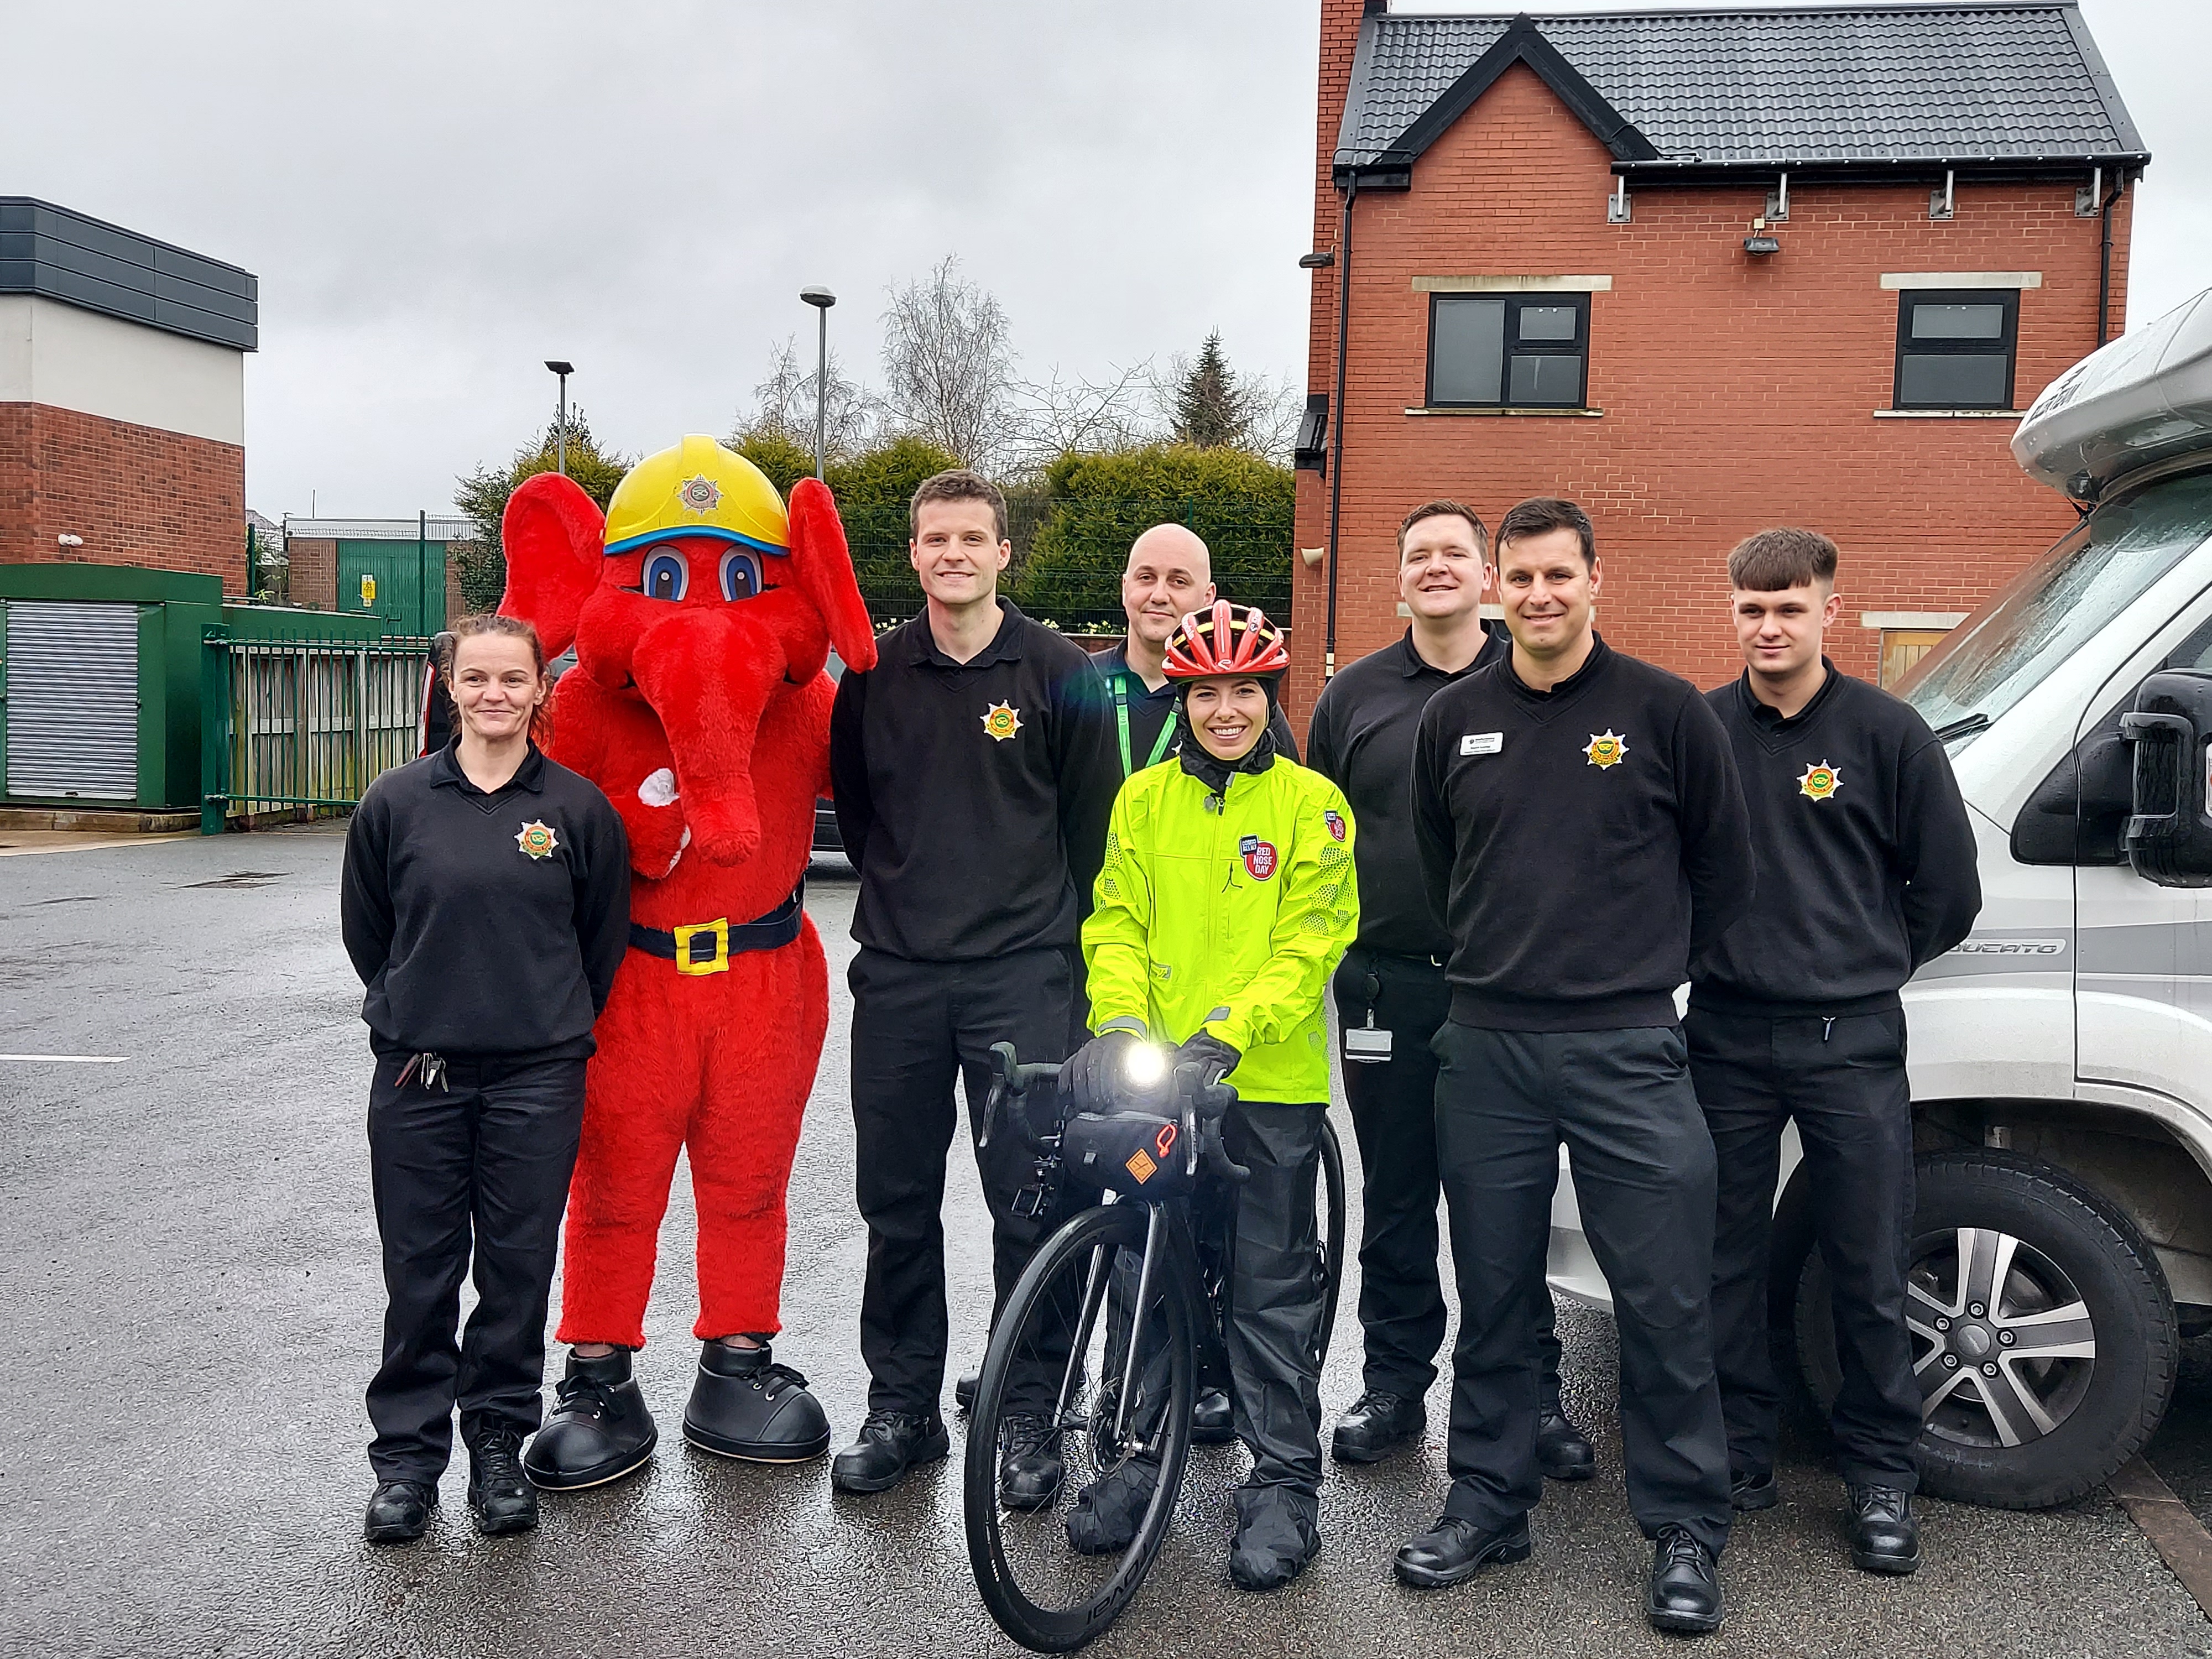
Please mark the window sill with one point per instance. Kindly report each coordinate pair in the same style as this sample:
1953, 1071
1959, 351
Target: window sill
1585, 414
1950, 414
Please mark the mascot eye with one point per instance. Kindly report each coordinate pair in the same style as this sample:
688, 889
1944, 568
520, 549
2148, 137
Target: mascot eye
667, 575
740, 576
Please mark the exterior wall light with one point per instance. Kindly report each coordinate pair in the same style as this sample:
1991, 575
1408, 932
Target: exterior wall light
1759, 247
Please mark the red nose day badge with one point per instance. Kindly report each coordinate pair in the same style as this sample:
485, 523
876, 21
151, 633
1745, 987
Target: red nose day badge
1259, 857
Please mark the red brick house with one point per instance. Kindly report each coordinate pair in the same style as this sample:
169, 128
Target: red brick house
1704, 272
122, 397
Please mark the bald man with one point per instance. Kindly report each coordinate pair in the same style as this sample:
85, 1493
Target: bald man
1169, 575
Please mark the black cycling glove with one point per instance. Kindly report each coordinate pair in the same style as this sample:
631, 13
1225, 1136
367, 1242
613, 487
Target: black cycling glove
1093, 1075
1214, 1059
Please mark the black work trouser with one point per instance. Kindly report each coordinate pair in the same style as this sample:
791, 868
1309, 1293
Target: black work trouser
477, 1166
917, 1026
1394, 1114
1643, 1163
1843, 1080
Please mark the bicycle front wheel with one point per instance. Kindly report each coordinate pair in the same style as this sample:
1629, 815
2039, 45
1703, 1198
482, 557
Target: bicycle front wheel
1056, 1570
1330, 1234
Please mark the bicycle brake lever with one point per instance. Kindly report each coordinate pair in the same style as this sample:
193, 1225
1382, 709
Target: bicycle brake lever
1004, 1072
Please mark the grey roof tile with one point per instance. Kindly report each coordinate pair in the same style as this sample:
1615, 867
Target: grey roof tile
1809, 87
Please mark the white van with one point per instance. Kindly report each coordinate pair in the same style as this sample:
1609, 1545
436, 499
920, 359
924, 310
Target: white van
2061, 1058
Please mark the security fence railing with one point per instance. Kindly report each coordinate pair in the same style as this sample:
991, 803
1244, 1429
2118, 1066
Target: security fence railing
301, 723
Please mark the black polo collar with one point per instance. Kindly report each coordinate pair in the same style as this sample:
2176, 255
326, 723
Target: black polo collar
1566, 688
445, 768
1769, 718
1006, 645
1412, 664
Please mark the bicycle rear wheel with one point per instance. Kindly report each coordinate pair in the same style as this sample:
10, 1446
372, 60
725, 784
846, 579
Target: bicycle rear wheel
1061, 1349
1331, 1233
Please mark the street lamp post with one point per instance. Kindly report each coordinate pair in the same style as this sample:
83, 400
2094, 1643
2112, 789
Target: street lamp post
821, 299
561, 426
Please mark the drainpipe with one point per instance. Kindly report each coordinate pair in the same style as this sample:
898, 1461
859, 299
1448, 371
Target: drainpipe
2105, 267
1336, 436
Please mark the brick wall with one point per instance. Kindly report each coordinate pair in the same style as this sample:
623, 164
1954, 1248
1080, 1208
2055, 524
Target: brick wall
312, 579
137, 495
1737, 392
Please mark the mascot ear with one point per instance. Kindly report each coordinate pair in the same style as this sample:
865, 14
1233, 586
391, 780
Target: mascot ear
823, 569
553, 535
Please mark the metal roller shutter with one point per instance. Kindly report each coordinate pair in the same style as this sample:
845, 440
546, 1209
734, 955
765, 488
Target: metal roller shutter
72, 699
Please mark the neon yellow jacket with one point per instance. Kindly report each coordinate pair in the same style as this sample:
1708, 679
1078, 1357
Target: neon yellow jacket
1232, 920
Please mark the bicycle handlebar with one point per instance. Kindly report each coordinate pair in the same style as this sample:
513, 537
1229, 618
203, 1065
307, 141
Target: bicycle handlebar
1202, 1105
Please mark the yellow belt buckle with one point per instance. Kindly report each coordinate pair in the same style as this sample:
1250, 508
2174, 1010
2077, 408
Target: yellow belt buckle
720, 962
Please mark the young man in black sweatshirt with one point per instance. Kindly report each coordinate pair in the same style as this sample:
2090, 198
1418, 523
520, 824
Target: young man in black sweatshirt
1581, 832
974, 777
1391, 995
1866, 871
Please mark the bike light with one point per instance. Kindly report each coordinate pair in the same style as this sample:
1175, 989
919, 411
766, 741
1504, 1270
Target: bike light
1145, 1064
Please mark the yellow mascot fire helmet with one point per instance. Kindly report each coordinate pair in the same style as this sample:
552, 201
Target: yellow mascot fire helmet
697, 488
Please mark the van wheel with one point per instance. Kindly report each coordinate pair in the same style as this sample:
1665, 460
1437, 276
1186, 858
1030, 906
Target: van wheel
2044, 1334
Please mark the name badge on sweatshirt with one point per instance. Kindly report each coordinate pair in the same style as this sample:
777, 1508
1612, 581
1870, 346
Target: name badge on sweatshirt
1482, 742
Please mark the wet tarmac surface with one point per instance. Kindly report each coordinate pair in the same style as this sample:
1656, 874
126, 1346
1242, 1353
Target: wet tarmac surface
189, 1281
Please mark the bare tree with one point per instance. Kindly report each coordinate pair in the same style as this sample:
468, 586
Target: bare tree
1067, 413
1262, 410
784, 406
949, 368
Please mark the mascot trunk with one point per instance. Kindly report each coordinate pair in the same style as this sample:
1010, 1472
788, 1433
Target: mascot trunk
702, 619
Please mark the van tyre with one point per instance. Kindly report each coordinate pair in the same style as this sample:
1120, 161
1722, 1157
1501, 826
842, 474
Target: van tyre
2064, 1246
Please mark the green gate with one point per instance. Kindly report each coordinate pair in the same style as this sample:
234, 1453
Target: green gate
387, 579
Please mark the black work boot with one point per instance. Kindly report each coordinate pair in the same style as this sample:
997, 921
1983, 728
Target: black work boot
1107, 1513
963, 1391
1277, 1535
1885, 1538
1376, 1425
1684, 1598
1212, 1418
746, 1405
1753, 1489
1563, 1450
1028, 1463
499, 1499
1456, 1549
598, 1429
399, 1512
890, 1443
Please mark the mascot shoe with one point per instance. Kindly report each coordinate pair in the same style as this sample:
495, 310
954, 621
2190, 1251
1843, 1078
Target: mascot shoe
598, 1431
746, 1405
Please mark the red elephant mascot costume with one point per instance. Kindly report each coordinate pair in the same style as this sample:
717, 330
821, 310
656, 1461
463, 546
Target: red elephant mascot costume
702, 617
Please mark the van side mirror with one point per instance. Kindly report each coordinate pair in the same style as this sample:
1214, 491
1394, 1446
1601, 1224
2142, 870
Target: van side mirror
2169, 833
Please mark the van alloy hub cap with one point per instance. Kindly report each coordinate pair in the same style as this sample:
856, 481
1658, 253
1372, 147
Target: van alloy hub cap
2004, 1344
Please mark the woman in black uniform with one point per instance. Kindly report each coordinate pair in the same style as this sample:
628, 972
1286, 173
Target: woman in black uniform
486, 906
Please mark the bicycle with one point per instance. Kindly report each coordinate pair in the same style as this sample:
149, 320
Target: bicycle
1120, 1311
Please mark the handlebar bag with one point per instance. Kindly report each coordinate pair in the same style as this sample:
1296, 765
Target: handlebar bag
1133, 1153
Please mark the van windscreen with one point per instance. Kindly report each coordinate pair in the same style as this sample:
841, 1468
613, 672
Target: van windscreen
2107, 563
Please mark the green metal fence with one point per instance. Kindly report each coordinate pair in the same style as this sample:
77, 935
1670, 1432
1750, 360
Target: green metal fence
303, 723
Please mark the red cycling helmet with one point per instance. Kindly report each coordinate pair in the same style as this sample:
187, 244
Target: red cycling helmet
1229, 639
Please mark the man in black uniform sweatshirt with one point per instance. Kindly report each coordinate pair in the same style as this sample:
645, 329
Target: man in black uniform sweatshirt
1866, 871
974, 777
1581, 832
1391, 995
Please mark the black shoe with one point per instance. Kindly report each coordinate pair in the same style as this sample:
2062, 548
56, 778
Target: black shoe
499, 1499
1454, 1550
890, 1443
398, 1511
1885, 1538
1376, 1425
1212, 1418
1685, 1586
1277, 1536
1106, 1514
598, 1429
1028, 1463
1755, 1491
963, 1391
746, 1405
1563, 1449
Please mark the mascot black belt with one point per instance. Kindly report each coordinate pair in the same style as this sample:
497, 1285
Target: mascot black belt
706, 947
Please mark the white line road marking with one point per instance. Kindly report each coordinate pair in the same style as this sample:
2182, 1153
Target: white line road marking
69, 1060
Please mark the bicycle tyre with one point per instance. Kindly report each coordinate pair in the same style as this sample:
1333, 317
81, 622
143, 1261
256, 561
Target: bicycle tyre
1041, 1628
1331, 1246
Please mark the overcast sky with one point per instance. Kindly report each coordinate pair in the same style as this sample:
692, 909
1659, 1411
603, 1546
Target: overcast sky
436, 198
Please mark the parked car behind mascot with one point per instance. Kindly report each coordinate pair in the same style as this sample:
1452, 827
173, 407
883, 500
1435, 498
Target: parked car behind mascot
701, 616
